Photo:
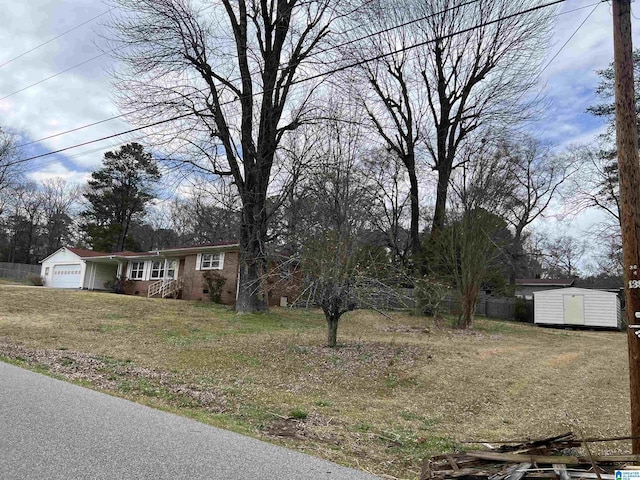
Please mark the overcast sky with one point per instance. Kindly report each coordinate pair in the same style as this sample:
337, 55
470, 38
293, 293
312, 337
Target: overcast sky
82, 95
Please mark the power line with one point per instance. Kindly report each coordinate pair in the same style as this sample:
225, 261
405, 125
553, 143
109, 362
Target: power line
315, 53
112, 50
333, 47
89, 142
312, 77
54, 38
55, 75
82, 127
571, 36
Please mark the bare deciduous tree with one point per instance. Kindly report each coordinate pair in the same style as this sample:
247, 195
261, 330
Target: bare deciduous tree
561, 255
537, 177
476, 63
343, 272
230, 68
389, 210
60, 205
10, 172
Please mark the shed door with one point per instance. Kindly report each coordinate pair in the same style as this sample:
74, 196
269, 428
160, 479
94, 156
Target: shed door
66, 276
574, 309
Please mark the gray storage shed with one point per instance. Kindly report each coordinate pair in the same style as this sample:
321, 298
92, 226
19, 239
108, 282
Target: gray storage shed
577, 307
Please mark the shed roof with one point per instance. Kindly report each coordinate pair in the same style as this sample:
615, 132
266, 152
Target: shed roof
573, 291
561, 282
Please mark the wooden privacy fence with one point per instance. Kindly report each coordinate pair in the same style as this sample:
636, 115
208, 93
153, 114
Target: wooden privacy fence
18, 271
505, 308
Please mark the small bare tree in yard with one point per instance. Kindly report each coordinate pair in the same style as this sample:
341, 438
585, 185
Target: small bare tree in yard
342, 272
230, 69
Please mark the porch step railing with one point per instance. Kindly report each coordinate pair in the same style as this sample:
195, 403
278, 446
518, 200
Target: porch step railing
165, 288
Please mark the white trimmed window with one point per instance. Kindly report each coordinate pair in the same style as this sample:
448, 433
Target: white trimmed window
171, 268
137, 270
157, 270
210, 261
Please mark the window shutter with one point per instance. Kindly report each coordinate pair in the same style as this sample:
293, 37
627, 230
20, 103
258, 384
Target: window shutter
221, 264
198, 260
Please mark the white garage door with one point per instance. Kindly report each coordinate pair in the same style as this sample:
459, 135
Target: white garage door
66, 276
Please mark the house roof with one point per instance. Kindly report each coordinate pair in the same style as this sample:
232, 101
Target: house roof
95, 255
80, 252
200, 248
551, 282
84, 253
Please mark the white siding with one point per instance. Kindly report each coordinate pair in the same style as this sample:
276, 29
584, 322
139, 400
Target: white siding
61, 257
601, 309
97, 274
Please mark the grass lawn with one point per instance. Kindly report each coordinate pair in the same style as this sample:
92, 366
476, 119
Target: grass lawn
397, 390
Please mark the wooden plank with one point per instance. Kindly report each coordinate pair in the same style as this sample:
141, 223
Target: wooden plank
561, 470
453, 463
504, 473
591, 475
520, 471
551, 459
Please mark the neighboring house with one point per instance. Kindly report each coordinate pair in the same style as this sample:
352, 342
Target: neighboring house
525, 287
175, 272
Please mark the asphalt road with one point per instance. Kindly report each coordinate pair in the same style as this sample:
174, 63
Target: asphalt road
51, 430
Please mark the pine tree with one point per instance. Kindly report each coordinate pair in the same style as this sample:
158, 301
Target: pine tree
117, 194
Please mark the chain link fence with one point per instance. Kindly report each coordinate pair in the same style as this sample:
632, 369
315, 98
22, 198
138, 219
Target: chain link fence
18, 271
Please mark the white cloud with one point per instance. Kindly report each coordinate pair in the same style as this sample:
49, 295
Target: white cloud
77, 97
58, 170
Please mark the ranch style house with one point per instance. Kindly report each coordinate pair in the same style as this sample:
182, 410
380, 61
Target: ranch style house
173, 272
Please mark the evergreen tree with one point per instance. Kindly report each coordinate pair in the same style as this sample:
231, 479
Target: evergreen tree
118, 193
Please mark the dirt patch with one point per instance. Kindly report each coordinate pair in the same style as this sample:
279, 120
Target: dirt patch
406, 329
491, 352
311, 427
114, 375
563, 359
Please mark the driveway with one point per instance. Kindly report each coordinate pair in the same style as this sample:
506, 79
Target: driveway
51, 429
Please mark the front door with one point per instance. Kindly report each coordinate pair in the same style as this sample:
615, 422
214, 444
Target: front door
574, 309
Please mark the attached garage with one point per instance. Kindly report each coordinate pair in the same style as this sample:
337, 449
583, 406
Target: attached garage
577, 307
77, 268
66, 276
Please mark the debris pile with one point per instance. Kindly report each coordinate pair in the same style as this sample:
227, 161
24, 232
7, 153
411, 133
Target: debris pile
549, 458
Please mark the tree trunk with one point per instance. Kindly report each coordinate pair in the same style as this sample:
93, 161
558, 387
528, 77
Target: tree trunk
251, 294
516, 258
444, 174
415, 207
332, 330
467, 308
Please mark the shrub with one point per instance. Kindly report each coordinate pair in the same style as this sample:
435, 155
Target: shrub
36, 280
298, 414
118, 284
214, 282
523, 310
429, 297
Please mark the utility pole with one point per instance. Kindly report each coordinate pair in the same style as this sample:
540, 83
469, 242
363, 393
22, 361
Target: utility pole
629, 172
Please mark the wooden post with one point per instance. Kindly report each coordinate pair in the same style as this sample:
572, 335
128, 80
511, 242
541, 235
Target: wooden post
629, 171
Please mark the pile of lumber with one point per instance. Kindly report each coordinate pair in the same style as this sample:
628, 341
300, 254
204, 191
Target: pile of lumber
549, 458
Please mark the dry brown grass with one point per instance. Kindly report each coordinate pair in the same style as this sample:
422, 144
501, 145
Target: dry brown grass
394, 392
